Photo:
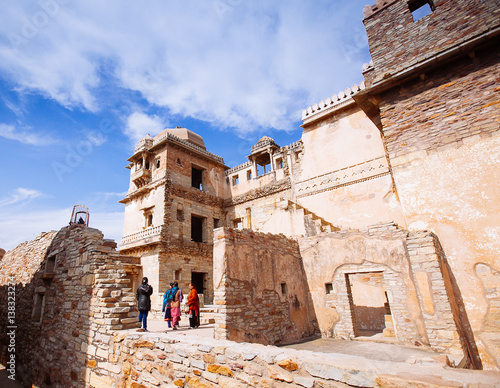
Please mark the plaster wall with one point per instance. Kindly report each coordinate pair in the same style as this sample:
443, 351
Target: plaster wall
328, 258
466, 220
134, 215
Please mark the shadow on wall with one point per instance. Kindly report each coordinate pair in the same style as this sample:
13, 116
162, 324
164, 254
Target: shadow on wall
459, 313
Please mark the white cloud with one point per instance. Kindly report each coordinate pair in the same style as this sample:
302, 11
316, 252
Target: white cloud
20, 196
139, 125
243, 64
25, 136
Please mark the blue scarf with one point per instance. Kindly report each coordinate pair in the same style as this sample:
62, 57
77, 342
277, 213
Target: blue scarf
168, 296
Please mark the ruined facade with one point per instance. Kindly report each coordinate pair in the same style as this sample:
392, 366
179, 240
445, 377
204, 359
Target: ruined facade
412, 149
387, 206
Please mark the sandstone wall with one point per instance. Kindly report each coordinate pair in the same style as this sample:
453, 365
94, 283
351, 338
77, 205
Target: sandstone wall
71, 289
345, 177
442, 137
260, 288
397, 42
407, 267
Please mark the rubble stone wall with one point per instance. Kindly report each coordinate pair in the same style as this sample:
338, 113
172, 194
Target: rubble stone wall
260, 288
71, 289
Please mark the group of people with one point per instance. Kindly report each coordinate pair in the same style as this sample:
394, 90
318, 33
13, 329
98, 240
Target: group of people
172, 301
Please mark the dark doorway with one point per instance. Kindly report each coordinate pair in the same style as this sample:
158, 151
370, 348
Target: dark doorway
197, 229
198, 280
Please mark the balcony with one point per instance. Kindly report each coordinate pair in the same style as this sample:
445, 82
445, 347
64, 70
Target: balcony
148, 235
141, 177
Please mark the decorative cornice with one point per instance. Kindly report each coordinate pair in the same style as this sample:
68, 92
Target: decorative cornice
331, 104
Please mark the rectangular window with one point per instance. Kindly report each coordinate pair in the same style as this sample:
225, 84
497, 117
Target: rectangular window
284, 289
328, 287
235, 180
420, 8
50, 265
237, 223
37, 313
177, 274
279, 163
197, 229
216, 223
249, 175
197, 178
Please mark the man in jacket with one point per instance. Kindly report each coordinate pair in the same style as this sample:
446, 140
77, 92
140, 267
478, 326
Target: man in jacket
143, 295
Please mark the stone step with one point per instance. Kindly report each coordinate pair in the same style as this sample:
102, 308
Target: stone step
389, 332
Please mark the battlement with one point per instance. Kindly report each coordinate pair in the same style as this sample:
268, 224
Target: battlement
332, 103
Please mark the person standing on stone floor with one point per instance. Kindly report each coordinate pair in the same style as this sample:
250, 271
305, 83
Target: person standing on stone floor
194, 307
175, 306
167, 301
143, 295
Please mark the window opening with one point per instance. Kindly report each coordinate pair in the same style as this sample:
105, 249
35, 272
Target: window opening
50, 265
235, 180
177, 274
197, 228
179, 162
38, 307
420, 8
150, 220
328, 288
279, 163
284, 289
249, 175
216, 223
147, 165
197, 178
237, 223
158, 163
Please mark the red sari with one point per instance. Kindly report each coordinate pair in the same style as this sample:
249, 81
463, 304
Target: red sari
194, 308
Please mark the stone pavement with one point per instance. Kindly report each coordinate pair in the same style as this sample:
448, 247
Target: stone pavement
363, 348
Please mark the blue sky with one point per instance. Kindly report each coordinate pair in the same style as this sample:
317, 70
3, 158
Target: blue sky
82, 82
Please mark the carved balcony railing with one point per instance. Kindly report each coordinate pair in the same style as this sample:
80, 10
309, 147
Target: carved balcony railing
141, 177
143, 234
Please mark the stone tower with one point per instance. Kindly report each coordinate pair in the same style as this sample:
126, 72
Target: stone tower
173, 203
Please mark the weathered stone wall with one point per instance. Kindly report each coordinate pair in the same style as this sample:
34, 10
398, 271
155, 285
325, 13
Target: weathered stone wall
71, 289
260, 288
397, 42
408, 269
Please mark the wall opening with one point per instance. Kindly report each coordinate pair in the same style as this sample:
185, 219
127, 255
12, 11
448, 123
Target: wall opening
50, 265
198, 279
420, 8
217, 223
237, 223
368, 302
197, 178
197, 228
39, 302
284, 289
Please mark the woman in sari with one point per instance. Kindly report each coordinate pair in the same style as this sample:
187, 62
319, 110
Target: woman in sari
175, 305
194, 307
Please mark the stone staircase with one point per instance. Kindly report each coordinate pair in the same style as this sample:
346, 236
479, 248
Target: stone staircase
207, 314
313, 223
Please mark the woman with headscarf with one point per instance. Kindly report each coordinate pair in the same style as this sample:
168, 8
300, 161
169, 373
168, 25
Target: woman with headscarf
175, 305
167, 300
194, 307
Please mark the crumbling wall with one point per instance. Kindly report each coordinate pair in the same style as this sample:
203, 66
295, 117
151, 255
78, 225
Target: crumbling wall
260, 288
406, 267
71, 289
